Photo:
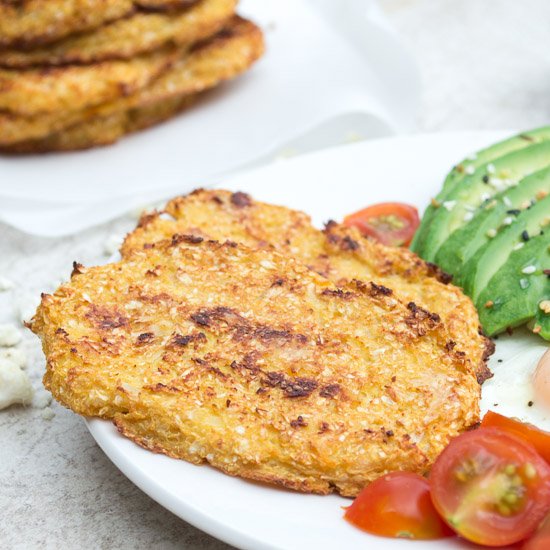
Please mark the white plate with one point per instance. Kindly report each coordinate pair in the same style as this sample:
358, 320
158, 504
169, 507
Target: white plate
327, 184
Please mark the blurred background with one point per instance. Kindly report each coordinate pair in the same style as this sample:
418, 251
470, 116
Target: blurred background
484, 63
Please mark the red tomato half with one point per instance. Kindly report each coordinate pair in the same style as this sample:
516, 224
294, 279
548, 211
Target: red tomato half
541, 539
491, 487
391, 223
398, 505
538, 438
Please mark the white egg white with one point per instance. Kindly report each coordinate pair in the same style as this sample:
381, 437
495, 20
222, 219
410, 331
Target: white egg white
511, 392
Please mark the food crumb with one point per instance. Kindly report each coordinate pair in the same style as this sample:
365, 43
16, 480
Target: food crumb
42, 399
6, 284
9, 335
47, 413
530, 404
15, 355
15, 385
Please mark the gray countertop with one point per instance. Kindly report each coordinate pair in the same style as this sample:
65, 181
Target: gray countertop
485, 65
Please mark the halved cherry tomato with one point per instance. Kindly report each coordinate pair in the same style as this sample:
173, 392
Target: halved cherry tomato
398, 505
538, 438
391, 223
491, 487
541, 539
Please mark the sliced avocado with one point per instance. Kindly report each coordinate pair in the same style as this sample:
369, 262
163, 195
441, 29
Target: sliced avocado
496, 213
514, 292
481, 267
503, 173
475, 161
542, 320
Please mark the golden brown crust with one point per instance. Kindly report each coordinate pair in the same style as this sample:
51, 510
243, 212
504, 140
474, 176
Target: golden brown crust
32, 22
223, 57
106, 130
339, 253
128, 37
26, 24
165, 5
250, 361
38, 91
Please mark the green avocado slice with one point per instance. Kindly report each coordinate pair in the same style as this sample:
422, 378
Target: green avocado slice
493, 215
482, 266
473, 190
475, 161
542, 320
514, 293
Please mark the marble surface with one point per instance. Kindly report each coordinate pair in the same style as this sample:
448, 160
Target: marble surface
485, 66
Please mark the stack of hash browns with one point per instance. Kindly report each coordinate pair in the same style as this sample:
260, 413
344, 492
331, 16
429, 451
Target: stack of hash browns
76, 74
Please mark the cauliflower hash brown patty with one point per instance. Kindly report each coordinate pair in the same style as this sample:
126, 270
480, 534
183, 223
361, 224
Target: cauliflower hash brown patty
248, 360
338, 253
28, 23
222, 57
127, 37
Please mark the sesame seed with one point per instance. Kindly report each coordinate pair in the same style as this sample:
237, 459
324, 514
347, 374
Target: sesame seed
508, 220
507, 201
468, 216
491, 168
525, 235
485, 178
492, 233
525, 205
498, 184
518, 246
524, 283
449, 205
530, 269
470, 170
